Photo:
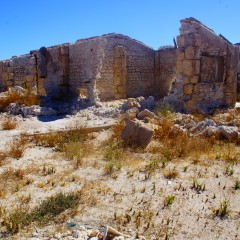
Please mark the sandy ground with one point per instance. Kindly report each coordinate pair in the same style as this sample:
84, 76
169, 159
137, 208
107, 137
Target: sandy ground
131, 199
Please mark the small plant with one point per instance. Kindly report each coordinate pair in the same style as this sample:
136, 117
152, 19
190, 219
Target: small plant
17, 148
109, 167
199, 187
168, 200
44, 212
185, 168
152, 166
164, 109
229, 170
26, 98
113, 151
223, 209
9, 124
171, 174
48, 170
237, 185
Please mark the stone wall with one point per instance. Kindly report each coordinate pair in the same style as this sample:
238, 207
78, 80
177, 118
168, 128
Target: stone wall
199, 75
127, 69
165, 71
206, 69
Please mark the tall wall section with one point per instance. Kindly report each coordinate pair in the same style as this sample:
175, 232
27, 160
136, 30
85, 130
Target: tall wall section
165, 70
127, 69
206, 69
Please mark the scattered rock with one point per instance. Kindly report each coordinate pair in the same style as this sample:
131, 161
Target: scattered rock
228, 132
131, 113
145, 113
94, 233
133, 102
136, 133
113, 233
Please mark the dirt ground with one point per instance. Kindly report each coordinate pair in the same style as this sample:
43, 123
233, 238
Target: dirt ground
173, 200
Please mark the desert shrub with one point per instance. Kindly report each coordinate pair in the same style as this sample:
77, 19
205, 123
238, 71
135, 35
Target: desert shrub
164, 109
230, 153
197, 186
237, 185
168, 200
17, 148
179, 144
223, 209
9, 124
44, 212
113, 150
171, 173
60, 139
113, 153
27, 98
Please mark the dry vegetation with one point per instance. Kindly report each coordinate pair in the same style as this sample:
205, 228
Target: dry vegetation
27, 98
177, 183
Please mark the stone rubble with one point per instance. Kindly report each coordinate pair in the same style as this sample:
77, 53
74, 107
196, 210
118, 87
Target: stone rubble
85, 233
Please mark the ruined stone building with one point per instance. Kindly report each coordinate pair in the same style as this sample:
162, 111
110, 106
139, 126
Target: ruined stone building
199, 73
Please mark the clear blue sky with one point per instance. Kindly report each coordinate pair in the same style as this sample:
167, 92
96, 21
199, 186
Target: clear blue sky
30, 24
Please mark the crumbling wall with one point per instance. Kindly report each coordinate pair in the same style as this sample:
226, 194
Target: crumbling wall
19, 71
165, 70
86, 58
24, 71
127, 69
206, 70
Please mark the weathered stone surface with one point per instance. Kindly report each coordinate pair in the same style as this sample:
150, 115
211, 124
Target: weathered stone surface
228, 132
208, 64
131, 113
145, 113
187, 89
115, 66
137, 134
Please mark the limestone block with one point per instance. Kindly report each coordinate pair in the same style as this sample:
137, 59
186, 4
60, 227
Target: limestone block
189, 52
186, 80
187, 67
30, 85
9, 83
121, 89
194, 79
198, 40
137, 134
179, 54
146, 113
191, 106
131, 113
64, 50
29, 78
180, 41
5, 76
196, 67
32, 60
188, 89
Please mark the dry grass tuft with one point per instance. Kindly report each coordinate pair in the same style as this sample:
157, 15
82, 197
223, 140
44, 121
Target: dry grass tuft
28, 99
9, 124
12, 180
177, 145
17, 148
171, 173
117, 129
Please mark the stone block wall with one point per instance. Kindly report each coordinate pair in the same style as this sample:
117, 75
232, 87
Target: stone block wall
199, 75
206, 69
127, 69
165, 71
19, 71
